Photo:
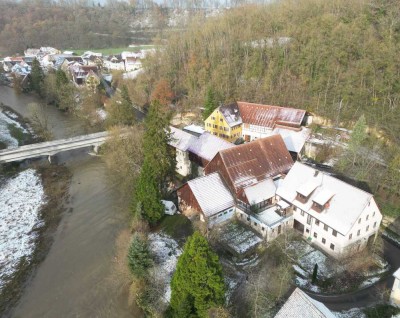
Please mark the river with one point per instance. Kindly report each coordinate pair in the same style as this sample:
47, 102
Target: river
77, 277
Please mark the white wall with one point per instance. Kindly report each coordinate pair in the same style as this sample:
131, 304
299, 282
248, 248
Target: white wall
395, 294
342, 244
256, 132
183, 165
221, 217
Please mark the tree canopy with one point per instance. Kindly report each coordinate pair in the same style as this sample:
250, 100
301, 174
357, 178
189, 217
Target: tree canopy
197, 284
158, 163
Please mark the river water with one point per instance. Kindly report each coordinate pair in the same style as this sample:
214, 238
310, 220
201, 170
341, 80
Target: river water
76, 279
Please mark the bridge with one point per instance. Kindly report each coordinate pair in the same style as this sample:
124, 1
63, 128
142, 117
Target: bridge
50, 148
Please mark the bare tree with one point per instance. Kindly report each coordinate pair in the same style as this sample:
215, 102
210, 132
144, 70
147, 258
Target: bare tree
40, 121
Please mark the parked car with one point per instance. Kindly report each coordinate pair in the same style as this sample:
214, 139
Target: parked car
169, 207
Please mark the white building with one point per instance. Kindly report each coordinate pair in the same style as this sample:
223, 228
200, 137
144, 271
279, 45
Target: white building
300, 305
332, 214
395, 294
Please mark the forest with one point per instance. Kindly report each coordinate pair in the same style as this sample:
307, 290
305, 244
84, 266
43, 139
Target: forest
338, 59
35, 24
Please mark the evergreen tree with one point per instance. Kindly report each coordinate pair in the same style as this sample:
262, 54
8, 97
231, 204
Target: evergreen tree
158, 164
210, 103
36, 77
121, 111
198, 283
139, 258
61, 79
315, 274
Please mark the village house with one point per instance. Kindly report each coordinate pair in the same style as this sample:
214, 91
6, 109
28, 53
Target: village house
395, 293
114, 62
195, 152
299, 304
248, 121
84, 75
207, 197
333, 215
250, 173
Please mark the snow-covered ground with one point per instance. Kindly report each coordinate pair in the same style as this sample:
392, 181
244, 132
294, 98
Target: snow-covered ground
21, 198
166, 252
239, 238
326, 268
352, 313
5, 135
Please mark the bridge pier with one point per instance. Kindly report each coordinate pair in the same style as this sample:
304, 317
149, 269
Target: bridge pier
49, 158
96, 149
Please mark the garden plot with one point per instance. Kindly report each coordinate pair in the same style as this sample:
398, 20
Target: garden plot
166, 252
327, 268
21, 198
299, 248
238, 238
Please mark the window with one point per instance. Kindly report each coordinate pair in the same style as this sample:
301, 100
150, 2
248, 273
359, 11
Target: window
350, 236
358, 233
221, 120
309, 218
263, 228
373, 214
323, 241
325, 227
334, 233
315, 234
213, 118
375, 224
307, 231
215, 126
332, 247
302, 213
367, 217
359, 220
316, 222
221, 128
226, 129
367, 228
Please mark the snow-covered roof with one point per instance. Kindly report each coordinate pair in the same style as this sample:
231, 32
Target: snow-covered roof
205, 146
211, 194
300, 304
231, 114
261, 191
194, 128
307, 187
181, 139
283, 204
397, 274
269, 216
346, 202
294, 140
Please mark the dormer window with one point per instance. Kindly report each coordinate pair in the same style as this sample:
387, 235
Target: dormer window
317, 207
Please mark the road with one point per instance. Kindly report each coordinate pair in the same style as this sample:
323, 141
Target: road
370, 295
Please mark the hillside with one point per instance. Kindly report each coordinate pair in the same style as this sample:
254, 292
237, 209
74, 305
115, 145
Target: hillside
336, 58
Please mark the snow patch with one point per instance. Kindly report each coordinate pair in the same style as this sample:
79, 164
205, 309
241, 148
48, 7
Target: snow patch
5, 135
352, 313
369, 282
20, 201
305, 284
166, 252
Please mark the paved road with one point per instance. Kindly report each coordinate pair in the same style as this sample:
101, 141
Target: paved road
370, 295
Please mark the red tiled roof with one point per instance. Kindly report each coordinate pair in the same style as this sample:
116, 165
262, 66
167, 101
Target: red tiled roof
269, 116
253, 162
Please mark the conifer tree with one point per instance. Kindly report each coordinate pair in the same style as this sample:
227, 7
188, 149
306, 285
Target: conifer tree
36, 77
210, 103
139, 258
197, 284
158, 164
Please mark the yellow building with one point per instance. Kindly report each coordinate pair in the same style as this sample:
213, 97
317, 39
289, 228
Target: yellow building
225, 122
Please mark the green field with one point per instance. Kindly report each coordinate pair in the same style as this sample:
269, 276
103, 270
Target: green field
116, 50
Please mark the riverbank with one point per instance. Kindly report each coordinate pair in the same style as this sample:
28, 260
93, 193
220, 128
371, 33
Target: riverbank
54, 182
